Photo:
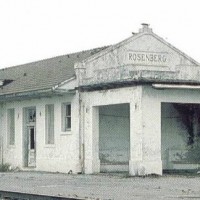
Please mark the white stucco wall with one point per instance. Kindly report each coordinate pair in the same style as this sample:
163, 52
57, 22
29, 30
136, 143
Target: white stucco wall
64, 154
115, 63
147, 147
149, 141
123, 63
139, 162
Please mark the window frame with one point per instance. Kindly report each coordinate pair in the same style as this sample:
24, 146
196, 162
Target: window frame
66, 117
49, 123
11, 130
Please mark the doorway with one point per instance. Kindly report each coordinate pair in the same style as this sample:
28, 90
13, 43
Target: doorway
114, 138
30, 137
180, 136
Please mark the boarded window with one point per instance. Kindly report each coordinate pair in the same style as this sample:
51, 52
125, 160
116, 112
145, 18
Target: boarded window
49, 110
66, 117
11, 126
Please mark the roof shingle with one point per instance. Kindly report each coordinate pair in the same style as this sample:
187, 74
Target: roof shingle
42, 74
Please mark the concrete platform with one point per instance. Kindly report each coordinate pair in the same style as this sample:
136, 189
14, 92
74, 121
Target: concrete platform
102, 186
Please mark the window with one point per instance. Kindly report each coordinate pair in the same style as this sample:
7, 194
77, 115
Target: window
49, 122
11, 126
66, 117
31, 115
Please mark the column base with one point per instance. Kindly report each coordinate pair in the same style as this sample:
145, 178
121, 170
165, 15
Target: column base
142, 168
92, 166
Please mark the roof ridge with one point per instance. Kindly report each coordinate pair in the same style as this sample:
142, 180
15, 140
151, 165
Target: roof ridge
111, 47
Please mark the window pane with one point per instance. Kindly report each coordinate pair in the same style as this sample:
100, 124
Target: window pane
68, 110
68, 123
66, 116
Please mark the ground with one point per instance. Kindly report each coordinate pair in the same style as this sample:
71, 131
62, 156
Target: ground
103, 186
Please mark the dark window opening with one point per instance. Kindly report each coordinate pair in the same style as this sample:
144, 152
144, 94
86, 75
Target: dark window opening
32, 138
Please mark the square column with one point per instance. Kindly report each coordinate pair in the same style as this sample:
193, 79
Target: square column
136, 133
145, 136
91, 133
152, 136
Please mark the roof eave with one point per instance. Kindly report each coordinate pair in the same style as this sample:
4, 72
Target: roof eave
130, 83
48, 92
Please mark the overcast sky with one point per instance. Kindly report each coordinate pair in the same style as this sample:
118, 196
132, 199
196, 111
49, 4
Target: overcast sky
32, 30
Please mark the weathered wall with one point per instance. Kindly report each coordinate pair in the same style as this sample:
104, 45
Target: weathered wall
91, 102
64, 154
140, 162
114, 134
143, 56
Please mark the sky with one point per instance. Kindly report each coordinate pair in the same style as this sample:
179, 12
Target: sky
32, 30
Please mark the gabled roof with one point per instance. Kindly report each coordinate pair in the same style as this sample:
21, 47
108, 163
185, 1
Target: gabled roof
47, 74
41, 75
135, 60
134, 37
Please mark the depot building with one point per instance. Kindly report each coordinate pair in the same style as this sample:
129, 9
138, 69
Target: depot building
133, 106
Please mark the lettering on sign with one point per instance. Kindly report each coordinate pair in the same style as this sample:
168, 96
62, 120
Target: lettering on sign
149, 58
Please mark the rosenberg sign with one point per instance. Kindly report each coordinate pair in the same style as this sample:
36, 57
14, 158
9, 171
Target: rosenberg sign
147, 58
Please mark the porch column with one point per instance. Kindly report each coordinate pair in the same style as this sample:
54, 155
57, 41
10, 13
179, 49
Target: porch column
152, 136
92, 162
145, 135
136, 133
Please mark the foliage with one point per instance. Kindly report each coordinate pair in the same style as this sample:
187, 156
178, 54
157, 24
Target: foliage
5, 167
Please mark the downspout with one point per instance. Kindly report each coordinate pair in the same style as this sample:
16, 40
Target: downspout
1, 150
1, 138
76, 91
81, 136
79, 71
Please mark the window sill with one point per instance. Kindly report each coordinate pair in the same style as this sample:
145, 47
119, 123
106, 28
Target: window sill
68, 132
11, 146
